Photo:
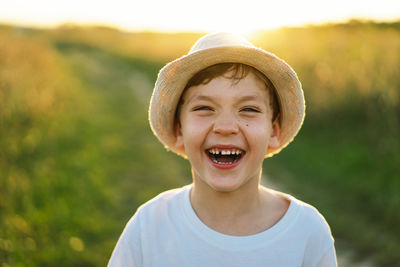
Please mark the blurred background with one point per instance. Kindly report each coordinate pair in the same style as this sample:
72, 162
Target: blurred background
77, 156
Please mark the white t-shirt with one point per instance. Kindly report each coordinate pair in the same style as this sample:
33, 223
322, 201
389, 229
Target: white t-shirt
167, 232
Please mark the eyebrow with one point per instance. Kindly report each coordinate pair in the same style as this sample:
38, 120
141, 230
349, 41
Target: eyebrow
249, 98
201, 97
209, 98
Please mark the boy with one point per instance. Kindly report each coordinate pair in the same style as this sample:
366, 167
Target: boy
225, 107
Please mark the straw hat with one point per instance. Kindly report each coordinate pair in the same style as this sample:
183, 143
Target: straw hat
217, 48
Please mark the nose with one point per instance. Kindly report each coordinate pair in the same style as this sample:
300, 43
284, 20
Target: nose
226, 124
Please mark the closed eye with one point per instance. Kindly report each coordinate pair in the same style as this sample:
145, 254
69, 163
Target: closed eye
205, 108
251, 109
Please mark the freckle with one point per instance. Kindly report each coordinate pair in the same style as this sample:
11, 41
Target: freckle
247, 124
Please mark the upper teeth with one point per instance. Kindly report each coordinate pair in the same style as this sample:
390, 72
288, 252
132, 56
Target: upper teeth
225, 151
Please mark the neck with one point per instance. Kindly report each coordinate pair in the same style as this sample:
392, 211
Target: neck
215, 207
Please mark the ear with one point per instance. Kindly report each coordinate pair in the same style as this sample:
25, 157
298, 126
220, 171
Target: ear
179, 138
275, 141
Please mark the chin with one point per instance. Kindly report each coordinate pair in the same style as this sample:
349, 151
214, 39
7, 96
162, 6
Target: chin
225, 187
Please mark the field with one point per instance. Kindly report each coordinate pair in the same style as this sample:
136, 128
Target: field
77, 156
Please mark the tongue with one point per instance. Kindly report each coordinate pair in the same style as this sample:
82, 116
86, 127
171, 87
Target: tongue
224, 159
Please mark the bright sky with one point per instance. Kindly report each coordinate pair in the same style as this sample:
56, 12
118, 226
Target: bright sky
184, 15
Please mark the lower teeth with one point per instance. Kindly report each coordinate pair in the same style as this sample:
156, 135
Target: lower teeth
224, 163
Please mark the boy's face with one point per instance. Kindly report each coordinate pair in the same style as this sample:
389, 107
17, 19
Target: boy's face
225, 117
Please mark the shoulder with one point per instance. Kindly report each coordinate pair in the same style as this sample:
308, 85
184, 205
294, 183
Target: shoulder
155, 212
300, 213
146, 225
165, 200
161, 207
309, 215
317, 232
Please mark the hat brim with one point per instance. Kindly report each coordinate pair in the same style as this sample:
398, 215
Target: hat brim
173, 78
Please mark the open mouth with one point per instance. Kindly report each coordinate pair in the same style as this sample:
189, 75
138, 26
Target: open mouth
225, 156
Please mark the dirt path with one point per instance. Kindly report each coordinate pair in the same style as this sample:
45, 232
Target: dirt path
344, 257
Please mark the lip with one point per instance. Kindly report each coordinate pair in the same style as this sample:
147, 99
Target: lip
225, 166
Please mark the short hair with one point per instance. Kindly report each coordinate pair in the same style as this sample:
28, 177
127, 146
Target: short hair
239, 72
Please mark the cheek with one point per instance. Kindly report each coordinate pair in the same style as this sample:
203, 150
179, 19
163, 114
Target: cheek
256, 126
194, 130
195, 124
257, 133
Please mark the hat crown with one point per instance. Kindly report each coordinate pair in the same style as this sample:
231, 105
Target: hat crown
219, 39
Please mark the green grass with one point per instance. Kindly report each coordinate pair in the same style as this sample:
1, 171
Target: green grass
77, 156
